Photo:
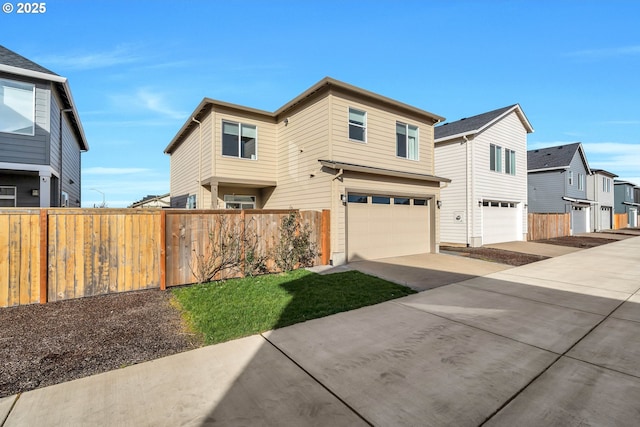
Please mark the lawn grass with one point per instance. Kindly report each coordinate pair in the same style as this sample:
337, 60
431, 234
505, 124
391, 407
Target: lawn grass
222, 311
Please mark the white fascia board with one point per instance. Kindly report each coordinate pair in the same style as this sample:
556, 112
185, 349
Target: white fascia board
548, 169
35, 74
456, 136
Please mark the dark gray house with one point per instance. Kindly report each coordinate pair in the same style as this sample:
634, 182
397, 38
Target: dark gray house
41, 136
626, 202
557, 183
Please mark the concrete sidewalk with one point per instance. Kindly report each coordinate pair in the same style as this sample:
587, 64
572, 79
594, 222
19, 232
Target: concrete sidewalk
549, 343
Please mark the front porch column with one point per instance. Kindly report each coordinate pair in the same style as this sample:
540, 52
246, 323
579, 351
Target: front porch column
45, 189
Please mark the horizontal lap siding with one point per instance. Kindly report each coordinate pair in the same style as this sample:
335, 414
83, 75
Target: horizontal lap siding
301, 143
184, 168
380, 147
450, 162
263, 168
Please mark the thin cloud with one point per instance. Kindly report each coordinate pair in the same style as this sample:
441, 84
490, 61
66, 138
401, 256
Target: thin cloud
90, 61
146, 99
607, 52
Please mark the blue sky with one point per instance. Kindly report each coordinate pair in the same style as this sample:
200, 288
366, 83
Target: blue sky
137, 69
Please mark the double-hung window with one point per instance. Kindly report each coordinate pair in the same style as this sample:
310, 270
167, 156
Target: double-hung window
509, 162
606, 185
239, 140
407, 141
495, 158
570, 177
357, 125
580, 181
17, 107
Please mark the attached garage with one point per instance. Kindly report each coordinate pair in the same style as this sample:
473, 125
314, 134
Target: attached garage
605, 217
382, 226
501, 222
579, 219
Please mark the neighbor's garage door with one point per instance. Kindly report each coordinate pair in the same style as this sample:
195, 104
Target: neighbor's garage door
605, 217
386, 226
579, 219
501, 222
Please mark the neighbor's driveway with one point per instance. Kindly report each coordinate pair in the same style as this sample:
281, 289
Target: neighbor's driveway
550, 343
423, 271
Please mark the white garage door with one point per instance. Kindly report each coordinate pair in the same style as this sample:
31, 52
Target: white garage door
386, 226
605, 218
579, 219
501, 222
633, 217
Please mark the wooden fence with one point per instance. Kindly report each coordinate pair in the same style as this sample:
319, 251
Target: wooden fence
548, 225
620, 221
58, 254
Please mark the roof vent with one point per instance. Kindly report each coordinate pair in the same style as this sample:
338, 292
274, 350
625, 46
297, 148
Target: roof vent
548, 154
561, 147
535, 151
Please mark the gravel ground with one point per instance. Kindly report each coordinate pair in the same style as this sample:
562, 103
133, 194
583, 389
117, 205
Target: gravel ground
42, 345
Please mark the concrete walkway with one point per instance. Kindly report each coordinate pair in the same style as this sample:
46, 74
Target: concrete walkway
550, 343
534, 248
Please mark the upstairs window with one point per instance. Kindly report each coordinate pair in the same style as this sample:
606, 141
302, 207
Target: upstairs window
495, 158
407, 141
509, 162
17, 107
239, 140
570, 177
580, 181
357, 125
606, 185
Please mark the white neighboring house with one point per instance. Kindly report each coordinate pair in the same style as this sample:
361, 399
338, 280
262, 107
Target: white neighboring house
153, 201
485, 156
600, 189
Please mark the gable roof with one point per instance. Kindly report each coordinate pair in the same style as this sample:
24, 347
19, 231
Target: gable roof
13, 63
604, 172
558, 157
476, 124
324, 85
9, 57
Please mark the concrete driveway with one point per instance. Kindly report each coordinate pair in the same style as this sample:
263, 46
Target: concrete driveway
534, 248
554, 343
422, 271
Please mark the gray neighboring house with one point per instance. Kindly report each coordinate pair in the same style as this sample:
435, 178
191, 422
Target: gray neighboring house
600, 190
557, 183
626, 202
41, 137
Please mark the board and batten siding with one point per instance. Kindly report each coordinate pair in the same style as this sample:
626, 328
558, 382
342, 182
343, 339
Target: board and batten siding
30, 149
450, 162
507, 133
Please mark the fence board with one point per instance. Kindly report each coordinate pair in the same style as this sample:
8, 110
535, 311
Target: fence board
57, 254
620, 221
548, 225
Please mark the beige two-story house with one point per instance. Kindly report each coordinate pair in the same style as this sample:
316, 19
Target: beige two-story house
367, 158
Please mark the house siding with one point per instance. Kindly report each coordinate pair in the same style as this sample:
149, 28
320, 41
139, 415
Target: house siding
70, 172
451, 161
577, 166
183, 166
603, 199
230, 167
546, 190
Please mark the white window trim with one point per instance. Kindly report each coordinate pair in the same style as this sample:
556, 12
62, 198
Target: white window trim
239, 156
570, 177
364, 127
33, 107
235, 199
496, 150
511, 162
13, 197
406, 125
580, 181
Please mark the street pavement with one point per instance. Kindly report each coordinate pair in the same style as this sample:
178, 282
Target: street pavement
553, 343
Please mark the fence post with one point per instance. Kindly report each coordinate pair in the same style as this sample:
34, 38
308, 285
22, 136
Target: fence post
242, 243
325, 237
44, 261
163, 250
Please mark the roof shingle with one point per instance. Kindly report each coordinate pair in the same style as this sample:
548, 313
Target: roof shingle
551, 157
9, 57
469, 124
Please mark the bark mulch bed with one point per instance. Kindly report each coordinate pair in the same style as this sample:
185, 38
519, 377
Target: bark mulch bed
494, 255
584, 242
42, 345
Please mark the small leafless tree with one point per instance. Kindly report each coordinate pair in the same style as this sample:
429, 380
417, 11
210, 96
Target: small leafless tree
295, 248
222, 253
255, 256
